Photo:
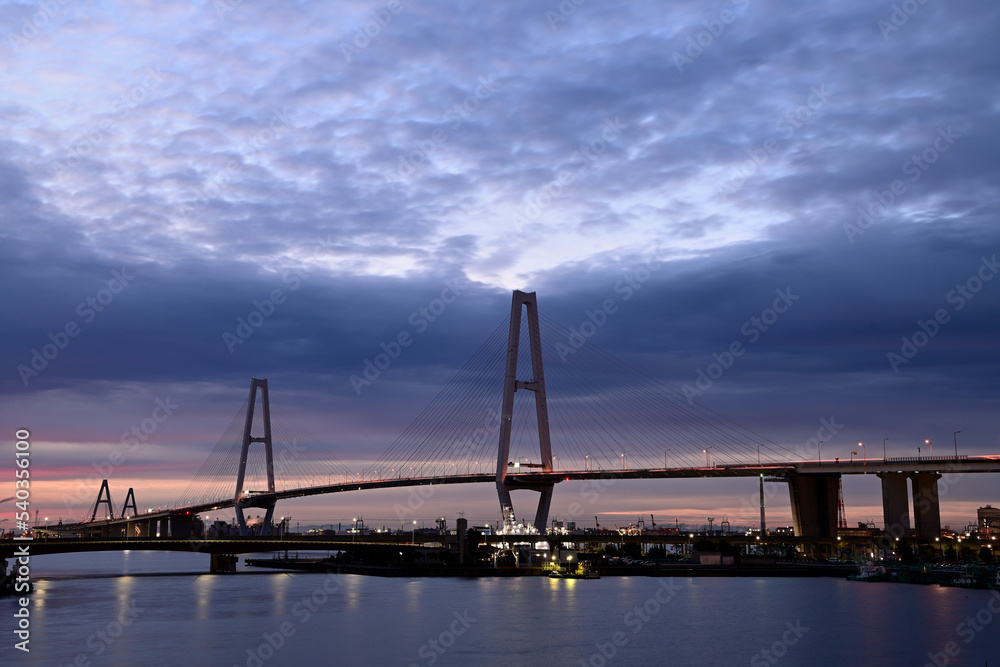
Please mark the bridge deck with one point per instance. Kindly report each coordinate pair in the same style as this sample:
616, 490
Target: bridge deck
940, 464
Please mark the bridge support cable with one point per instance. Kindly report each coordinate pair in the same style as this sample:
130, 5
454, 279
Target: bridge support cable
586, 410
236, 469
456, 432
214, 479
608, 404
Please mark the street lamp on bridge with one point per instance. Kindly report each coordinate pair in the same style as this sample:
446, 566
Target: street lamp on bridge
884, 457
956, 442
862, 446
930, 444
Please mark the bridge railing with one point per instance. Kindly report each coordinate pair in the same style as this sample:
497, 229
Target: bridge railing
898, 459
921, 459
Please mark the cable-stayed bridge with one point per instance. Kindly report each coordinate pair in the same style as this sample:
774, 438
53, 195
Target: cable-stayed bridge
508, 419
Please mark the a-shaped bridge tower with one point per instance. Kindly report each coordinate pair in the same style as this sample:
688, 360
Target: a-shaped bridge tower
246, 497
524, 302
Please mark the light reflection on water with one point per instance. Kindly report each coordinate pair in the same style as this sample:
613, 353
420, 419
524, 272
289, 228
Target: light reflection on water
194, 618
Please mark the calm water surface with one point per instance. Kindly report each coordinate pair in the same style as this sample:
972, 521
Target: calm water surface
256, 620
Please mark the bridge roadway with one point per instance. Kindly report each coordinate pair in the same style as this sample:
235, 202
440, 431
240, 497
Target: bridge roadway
238, 545
857, 466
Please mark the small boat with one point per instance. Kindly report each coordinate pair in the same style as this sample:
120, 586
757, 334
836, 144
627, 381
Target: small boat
971, 577
574, 575
8, 583
870, 572
914, 574
583, 573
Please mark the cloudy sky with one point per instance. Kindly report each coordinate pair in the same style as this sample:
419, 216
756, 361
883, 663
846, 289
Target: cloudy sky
168, 170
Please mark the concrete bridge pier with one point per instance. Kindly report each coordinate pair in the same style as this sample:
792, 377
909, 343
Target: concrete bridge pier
926, 505
167, 526
814, 504
223, 564
895, 503
181, 524
542, 512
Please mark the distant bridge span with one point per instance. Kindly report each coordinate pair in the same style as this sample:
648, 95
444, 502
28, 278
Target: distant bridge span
616, 421
890, 467
938, 464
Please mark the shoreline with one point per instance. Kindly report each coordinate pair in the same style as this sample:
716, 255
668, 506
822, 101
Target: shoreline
670, 570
